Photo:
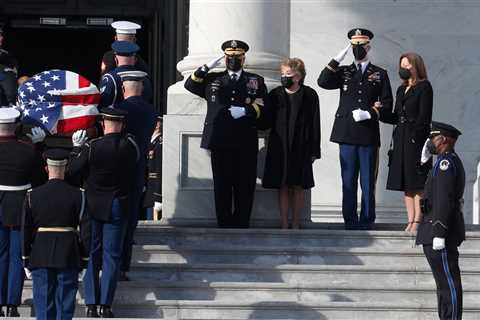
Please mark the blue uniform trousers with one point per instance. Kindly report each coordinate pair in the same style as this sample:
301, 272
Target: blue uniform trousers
54, 292
11, 266
105, 255
358, 160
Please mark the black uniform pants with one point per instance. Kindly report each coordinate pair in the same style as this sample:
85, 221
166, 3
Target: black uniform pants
234, 174
444, 265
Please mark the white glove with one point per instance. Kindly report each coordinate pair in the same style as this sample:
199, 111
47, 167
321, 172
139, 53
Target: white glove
213, 63
360, 115
341, 55
157, 206
79, 138
81, 274
28, 273
37, 135
438, 243
237, 112
426, 155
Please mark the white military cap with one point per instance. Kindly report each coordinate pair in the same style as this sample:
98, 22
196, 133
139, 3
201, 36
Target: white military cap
9, 115
125, 27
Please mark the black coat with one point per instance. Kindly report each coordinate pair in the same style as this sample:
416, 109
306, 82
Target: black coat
412, 116
305, 144
52, 205
8, 86
108, 166
154, 178
443, 200
357, 92
221, 131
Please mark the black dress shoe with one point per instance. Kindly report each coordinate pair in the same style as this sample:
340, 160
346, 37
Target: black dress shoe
12, 312
92, 311
122, 276
106, 312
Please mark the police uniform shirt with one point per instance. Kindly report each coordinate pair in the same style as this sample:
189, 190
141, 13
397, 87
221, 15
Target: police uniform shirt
48, 209
107, 164
221, 131
443, 198
357, 90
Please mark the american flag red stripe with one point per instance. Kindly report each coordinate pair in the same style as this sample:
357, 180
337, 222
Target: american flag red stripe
81, 99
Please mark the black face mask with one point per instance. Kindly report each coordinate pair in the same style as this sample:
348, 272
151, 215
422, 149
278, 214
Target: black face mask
404, 73
359, 52
234, 64
431, 147
287, 82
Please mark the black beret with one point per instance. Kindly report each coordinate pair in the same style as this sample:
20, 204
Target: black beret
444, 129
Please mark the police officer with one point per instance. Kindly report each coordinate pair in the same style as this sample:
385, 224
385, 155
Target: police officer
106, 164
111, 83
443, 228
365, 93
234, 102
140, 123
125, 31
8, 75
153, 194
21, 168
51, 246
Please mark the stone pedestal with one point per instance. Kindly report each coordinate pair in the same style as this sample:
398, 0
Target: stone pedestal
187, 176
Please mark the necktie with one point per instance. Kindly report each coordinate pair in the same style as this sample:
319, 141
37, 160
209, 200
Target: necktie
359, 66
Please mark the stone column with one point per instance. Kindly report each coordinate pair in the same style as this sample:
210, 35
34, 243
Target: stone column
187, 176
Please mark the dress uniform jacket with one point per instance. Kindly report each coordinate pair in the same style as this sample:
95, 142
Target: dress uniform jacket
8, 86
412, 116
221, 131
111, 87
21, 167
443, 217
154, 177
55, 204
357, 91
107, 164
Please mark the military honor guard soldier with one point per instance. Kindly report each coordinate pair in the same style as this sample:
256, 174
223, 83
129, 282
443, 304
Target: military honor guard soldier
153, 194
111, 83
52, 247
365, 93
234, 102
442, 230
124, 31
106, 164
21, 167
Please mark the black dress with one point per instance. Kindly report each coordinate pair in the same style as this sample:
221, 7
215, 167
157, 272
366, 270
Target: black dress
294, 138
412, 116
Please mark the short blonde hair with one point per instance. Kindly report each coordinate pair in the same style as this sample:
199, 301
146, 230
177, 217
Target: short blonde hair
296, 65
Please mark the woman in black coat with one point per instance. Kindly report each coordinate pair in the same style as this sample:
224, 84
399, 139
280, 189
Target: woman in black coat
293, 114
412, 116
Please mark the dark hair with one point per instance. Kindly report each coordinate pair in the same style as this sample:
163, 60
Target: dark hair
417, 63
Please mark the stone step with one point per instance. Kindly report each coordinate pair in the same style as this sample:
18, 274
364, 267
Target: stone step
277, 238
213, 310
379, 276
269, 255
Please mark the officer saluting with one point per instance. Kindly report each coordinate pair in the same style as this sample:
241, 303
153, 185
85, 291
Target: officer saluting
234, 102
443, 229
125, 31
106, 163
51, 247
111, 83
21, 167
365, 93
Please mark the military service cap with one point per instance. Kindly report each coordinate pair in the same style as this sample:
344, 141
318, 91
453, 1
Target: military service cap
234, 47
125, 48
360, 36
113, 114
440, 128
57, 157
125, 27
9, 115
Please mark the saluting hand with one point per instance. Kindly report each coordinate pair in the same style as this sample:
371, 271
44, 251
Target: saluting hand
426, 155
341, 55
213, 63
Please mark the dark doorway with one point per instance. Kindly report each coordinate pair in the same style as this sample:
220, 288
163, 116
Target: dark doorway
75, 49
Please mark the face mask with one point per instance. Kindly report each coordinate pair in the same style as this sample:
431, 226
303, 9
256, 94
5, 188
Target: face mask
234, 64
287, 82
359, 52
404, 73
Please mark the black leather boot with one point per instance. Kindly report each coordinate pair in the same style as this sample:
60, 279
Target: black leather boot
106, 312
12, 311
92, 311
